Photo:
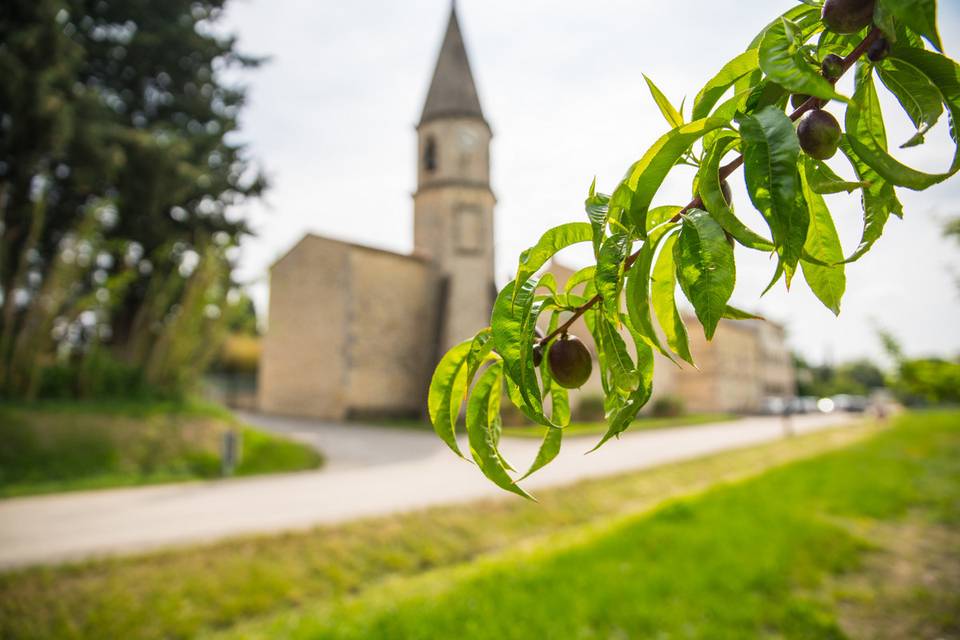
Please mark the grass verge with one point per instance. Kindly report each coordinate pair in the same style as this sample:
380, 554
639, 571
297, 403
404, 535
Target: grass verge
184, 593
752, 559
66, 446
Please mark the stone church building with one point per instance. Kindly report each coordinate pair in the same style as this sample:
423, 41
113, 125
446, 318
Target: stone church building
355, 331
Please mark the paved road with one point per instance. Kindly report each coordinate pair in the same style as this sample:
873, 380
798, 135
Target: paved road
372, 471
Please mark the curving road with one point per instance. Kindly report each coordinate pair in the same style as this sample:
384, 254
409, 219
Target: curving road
371, 471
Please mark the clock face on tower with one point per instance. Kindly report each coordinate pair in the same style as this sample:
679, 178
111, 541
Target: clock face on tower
467, 139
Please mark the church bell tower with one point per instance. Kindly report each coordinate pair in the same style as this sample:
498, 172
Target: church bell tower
453, 204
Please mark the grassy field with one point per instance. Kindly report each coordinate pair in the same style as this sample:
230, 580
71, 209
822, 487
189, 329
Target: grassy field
782, 555
69, 446
184, 593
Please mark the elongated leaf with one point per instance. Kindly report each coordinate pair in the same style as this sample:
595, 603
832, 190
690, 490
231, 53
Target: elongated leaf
711, 92
480, 347
624, 416
711, 192
771, 151
583, 275
661, 215
617, 357
663, 287
732, 313
919, 15
879, 201
549, 448
827, 282
645, 176
705, 267
821, 178
918, 96
510, 323
867, 137
484, 403
638, 290
597, 208
549, 244
944, 74
448, 386
609, 275
782, 61
670, 114
559, 397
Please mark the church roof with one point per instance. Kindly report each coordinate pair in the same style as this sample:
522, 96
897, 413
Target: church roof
452, 91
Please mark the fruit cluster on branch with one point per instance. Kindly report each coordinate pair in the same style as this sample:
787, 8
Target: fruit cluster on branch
644, 251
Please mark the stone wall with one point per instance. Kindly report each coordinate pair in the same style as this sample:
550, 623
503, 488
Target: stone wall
351, 331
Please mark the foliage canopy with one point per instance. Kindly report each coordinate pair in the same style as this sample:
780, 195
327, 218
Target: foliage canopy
642, 251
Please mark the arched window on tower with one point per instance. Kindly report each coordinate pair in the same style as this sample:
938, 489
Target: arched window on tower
430, 154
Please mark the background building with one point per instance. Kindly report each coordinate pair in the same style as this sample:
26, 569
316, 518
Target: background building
355, 331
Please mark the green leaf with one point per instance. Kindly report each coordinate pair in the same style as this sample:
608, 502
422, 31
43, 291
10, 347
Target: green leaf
711, 192
549, 448
879, 201
624, 416
705, 267
711, 92
512, 338
732, 313
663, 286
918, 96
919, 15
448, 386
638, 290
483, 408
617, 357
645, 176
821, 178
609, 275
480, 348
583, 275
781, 59
867, 137
670, 114
771, 151
549, 244
944, 74
597, 208
661, 215
827, 282
806, 17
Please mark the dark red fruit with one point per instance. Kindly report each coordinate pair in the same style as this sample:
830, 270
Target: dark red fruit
727, 194
570, 362
847, 16
831, 66
819, 134
879, 50
537, 347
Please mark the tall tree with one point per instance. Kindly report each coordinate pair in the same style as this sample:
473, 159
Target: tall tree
117, 174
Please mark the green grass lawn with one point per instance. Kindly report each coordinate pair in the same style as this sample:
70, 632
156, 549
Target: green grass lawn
184, 593
62, 446
752, 559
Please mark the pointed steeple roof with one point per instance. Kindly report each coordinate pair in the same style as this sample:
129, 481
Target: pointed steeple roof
452, 90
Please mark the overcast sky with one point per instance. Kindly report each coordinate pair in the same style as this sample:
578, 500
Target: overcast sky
331, 120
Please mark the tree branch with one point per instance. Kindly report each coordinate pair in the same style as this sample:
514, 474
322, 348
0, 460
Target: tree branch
725, 171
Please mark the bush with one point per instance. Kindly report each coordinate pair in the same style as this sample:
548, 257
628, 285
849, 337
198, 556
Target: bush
668, 407
590, 408
98, 376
